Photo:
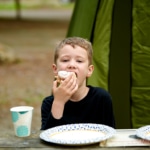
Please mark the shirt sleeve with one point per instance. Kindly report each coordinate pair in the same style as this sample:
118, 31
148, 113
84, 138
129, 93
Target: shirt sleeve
48, 120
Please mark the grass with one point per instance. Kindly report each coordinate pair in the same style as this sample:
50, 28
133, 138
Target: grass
7, 7
12, 6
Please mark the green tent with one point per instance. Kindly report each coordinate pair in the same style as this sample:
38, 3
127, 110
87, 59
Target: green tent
119, 33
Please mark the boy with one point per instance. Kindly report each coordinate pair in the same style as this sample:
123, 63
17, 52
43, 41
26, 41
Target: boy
73, 101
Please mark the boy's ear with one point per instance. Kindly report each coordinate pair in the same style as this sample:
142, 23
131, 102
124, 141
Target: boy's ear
90, 70
54, 67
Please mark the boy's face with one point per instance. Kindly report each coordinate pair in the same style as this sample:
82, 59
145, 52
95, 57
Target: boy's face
74, 60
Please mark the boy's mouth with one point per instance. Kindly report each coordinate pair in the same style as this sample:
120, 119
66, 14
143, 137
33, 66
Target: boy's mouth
75, 74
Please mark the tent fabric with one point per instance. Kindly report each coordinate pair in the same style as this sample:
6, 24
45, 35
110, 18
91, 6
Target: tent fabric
92, 19
140, 94
101, 43
83, 17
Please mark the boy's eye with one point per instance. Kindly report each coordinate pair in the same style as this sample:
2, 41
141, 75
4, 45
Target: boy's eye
65, 60
79, 61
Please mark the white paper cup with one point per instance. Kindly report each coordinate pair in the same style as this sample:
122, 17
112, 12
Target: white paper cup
22, 118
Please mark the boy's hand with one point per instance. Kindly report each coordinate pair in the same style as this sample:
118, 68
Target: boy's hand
62, 94
66, 88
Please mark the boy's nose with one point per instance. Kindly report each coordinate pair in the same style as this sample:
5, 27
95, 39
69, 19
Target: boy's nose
72, 64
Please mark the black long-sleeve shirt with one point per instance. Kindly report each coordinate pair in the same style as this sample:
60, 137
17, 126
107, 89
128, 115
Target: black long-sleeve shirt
95, 107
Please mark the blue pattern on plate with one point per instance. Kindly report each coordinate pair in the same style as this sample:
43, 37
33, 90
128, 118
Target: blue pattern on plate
99, 128
143, 132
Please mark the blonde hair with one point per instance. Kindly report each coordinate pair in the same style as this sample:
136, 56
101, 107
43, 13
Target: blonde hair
75, 41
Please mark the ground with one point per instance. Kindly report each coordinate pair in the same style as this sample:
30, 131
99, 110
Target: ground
29, 80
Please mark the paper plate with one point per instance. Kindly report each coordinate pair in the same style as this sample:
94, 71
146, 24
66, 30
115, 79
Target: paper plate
77, 134
144, 132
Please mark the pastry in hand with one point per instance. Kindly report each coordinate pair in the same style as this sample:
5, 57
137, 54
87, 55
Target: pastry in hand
62, 75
